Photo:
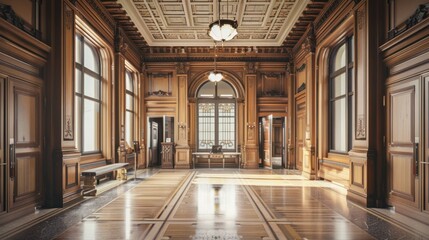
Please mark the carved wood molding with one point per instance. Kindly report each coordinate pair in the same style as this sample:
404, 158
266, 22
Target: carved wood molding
327, 14
211, 59
420, 14
182, 68
301, 68
7, 13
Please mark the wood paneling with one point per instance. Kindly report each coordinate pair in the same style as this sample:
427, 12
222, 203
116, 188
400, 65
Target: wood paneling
361, 81
71, 176
251, 156
25, 113
68, 77
27, 182
403, 127
27, 131
3, 163
300, 124
424, 163
271, 84
267, 123
160, 84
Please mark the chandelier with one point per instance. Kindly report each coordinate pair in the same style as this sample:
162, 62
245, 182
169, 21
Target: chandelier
215, 76
223, 29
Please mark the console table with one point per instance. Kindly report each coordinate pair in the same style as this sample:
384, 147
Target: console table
222, 156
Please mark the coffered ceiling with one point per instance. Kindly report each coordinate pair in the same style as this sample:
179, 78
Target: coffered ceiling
176, 23
184, 23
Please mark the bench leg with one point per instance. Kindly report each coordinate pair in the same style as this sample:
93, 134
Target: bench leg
121, 174
89, 186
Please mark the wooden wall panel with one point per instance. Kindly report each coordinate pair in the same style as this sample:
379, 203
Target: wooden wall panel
183, 151
68, 77
358, 174
160, 84
300, 124
28, 120
360, 85
251, 156
401, 165
271, 84
71, 176
26, 168
3, 163
403, 131
27, 183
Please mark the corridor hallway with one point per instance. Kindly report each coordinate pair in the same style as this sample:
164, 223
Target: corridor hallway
226, 204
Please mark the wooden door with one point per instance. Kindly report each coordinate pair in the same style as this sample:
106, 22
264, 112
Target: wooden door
300, 134
402, 143
277, 142
168, 129
24, 124
2, 151
267, 123
154, 143
424, 164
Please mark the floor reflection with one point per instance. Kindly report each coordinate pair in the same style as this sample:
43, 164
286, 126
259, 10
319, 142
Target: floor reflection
234, 204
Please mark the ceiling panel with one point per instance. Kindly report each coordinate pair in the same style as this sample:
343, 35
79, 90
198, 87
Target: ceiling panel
185, 22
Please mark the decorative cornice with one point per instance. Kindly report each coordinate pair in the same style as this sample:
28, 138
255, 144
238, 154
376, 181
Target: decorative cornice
310, 41
327, 14
96, 5
218, 59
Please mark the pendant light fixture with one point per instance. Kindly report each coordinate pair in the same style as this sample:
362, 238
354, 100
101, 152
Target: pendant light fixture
223, 30
215, 76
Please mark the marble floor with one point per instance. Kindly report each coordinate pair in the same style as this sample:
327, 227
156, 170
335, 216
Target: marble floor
222, 204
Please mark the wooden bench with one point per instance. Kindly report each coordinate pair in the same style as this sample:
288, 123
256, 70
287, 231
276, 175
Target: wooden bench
90, 176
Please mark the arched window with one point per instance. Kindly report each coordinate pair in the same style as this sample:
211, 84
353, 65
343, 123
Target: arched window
129, 107
88, 96
340, 97
216, 116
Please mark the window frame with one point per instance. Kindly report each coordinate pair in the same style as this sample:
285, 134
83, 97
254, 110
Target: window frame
347, 70
216, 100
81, 95
133, 110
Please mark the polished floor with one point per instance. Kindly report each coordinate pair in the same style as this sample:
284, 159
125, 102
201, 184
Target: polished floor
223, 204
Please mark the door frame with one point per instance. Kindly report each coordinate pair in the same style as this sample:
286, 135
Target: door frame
149, 129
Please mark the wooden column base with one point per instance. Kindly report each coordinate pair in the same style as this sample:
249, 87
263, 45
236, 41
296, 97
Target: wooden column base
182, 157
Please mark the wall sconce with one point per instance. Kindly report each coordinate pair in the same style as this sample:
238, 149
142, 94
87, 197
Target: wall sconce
251, 125
181, 125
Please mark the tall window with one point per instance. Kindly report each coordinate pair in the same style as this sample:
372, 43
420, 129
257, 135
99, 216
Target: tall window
340, 97
129, 107
216, 116
88, 96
